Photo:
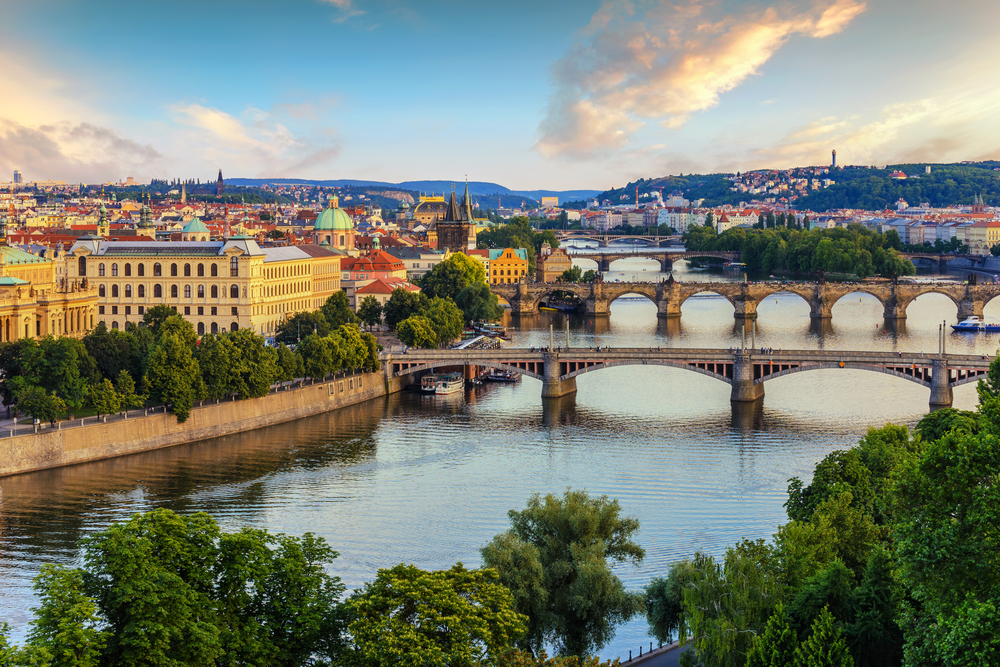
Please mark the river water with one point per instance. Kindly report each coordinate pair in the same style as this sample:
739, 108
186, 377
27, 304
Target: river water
428, 480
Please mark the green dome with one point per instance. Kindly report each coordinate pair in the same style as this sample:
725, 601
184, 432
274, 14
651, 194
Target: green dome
333, 219
196, 226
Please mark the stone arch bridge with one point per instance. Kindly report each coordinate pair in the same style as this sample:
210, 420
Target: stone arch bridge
666, 258
745, 371
745, 297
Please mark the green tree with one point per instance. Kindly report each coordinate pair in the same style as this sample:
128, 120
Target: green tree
875, 636
710, 220
36, 402
156, 316
401, 305
125, 386
317, 356
300, 325
445, 318
65, 628
829, 588
824, 647
217, 365
337, 310
174, 375
571, 275
451, 276
575, 539
290, 363
417, 331
776, 646
104, 398
479, 303
52, 363
413, 618
664, 601
370, 311
254, 364
353, 349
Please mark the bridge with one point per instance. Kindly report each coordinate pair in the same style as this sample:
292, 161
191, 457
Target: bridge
745, 370
941, 259
666, 258
603, 239
745, 297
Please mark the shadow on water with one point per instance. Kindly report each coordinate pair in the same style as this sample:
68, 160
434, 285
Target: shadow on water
557, 412
747, 417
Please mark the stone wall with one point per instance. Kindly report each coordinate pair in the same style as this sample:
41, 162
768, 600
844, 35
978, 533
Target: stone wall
53, 447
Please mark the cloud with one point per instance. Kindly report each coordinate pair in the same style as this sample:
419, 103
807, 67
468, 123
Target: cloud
346, 8
670, 62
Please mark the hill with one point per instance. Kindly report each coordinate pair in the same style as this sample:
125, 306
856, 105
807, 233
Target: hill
856, 187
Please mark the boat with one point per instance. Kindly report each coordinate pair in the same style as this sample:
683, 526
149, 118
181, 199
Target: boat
501, 376
975, 324
547, 309
428, 383
492, 330
449, 383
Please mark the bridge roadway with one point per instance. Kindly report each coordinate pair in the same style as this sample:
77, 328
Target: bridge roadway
666, 258
745, 371
603, 239
745, 297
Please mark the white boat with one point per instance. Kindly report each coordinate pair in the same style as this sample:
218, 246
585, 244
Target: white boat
428, 383
449, 383
975, 324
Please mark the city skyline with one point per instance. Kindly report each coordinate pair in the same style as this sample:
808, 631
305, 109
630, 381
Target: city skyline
557, 96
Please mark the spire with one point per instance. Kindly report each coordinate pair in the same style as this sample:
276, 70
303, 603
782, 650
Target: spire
453, 214
467, 202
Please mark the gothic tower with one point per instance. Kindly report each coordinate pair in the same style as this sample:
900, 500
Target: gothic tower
219, 185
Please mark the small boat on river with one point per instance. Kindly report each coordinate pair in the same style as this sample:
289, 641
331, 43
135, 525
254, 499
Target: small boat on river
428, 383
449, 383
501, 376
974, 325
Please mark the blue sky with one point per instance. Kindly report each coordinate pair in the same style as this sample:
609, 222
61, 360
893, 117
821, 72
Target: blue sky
552, 94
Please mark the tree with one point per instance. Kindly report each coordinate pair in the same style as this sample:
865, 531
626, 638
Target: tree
64, 631
875, 636
710, 220
36, 402
571, 275
290, 363
575, 540
445, 318
174, 375
125, 386
413, 618
664, 601
254, 364
447, 278
156, 316
300, 325
479, 303
104, 398
417, 331
824, 647
401, 305
53, 364
317, 356
337, 310
217, 365
370, 311
776, 646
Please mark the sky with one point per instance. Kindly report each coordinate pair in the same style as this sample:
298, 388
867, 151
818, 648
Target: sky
556, 94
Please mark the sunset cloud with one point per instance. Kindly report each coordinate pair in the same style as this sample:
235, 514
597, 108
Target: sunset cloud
665, 64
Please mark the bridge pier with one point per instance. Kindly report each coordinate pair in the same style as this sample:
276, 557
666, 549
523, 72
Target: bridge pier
746, 309
970, 308
941, 392
552, 385
666, 265
597, 306
604, 263
819, 309
895, 309
744, 389
668, 308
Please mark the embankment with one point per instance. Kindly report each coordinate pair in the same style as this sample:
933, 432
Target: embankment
52, 448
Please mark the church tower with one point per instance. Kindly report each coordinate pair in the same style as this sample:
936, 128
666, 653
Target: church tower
220, 185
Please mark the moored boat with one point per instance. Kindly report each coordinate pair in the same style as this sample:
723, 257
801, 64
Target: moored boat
428, 383
975, 324
449, 383
501, 376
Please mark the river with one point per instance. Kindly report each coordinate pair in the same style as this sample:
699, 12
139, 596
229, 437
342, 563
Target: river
428, 480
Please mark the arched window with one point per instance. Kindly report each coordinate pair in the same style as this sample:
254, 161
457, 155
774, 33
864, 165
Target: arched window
215, 327
128, 291
142, 270
114, 269
102, 291
83, 267
234, 267
187, 291
157, 291
201, 328
234, 327
187, 270
100, 269
157, 269
201, 291
201, 270
173, 270
114, 291
234, 292
128, 269
173, 291
114, 325
215, 291
141, 291
215, 270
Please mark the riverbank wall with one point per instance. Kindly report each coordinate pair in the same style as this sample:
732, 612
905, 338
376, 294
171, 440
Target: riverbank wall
56, 447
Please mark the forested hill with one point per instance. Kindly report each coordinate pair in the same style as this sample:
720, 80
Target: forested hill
855, 187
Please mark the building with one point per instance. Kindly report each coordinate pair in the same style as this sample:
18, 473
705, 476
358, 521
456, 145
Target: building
550, 202
334, 228
382, 289
417, 262
509, 265
18, 178
551, 264
220, 185
216, 285
457, 231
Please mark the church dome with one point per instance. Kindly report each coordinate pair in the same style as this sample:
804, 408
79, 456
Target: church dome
196, 226
333, 219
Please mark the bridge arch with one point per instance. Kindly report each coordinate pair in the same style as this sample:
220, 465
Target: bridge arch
783, 289
655, 362
649, 296
955, 301
580, 291
709, 290
485, 364
855, 291
847, 366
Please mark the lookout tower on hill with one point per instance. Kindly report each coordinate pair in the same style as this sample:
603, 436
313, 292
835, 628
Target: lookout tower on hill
833, 164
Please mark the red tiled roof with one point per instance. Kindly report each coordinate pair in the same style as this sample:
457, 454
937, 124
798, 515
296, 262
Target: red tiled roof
386, 286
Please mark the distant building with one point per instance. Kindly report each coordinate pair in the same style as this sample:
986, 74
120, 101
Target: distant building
508, 266
18, 178
551, 264
457, 231
220, 185
833, 163
550, 202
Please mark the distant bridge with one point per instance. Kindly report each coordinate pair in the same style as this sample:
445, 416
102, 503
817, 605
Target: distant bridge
745, 297
941, 259
746, 371
603, 239
666, 258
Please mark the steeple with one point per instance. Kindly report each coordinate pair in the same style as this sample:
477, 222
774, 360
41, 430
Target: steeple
220, 185
453, 214
467, 203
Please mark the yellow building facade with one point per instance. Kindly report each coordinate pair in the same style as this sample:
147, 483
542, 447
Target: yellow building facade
508, 266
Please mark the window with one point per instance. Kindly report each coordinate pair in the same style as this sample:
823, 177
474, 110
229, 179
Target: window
187, 270
141, 290
342, 240
215, 270
234, 292
128, 310
236, 311
215, 311
142, 310
114, 325
157, 270
201, 291
173, 291
187, 310
201, 270
215, 327
234, 327
102, 291
201, 310
173, 270
234, 267
83, 266
201, 328
128, 291
128, 269
157, 291
114, 269
215, 291
100, 269
187, 291
142, 270
114, 310
100, 310
114, 291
